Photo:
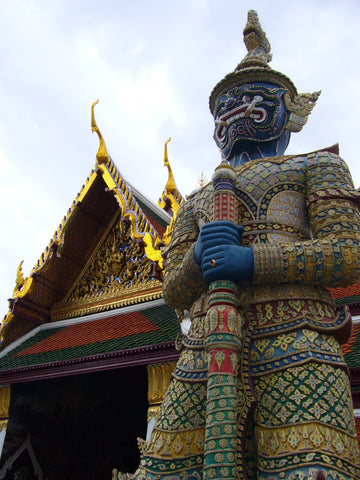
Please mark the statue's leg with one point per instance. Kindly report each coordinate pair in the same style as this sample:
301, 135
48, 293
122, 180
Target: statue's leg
304, 420
175, 449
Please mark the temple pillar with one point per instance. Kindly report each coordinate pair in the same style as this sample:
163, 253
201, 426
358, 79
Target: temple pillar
4, 413
159, 376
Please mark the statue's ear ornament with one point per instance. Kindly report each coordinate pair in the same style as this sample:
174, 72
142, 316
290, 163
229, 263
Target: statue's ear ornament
299, 108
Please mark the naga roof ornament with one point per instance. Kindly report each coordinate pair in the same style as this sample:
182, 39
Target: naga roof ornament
102, 155
170, 186
171, 199
254, 68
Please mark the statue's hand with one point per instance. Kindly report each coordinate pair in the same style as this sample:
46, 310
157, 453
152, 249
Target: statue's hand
228, 262
215, 234
219, 255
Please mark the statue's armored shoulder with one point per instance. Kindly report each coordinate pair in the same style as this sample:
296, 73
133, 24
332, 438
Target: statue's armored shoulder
321, 163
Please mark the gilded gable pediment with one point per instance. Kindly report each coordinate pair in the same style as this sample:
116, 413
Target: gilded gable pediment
119, 273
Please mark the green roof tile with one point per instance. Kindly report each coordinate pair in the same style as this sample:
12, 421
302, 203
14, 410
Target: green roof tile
165, 329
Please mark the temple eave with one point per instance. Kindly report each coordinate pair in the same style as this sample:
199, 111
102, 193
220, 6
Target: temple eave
164, 352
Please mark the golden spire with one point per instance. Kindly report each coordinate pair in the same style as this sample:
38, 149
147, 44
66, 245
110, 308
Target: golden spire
202, 180
170, 184
171, 199
102, 155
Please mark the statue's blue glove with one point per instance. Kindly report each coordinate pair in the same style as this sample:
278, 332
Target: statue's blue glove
228, 262
214, 234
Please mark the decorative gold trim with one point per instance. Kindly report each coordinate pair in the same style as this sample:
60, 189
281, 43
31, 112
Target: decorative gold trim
141, 228
153, 412
102, 154
176, 445
4, 405
300, 108
170, 193
310, 436
96, 304
3, 425
56, 243
159, 376
118, 270
168, 231
20, 280
170, 184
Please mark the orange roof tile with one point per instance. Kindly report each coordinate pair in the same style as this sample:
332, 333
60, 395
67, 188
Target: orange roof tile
86, 333
348, 346
343, 292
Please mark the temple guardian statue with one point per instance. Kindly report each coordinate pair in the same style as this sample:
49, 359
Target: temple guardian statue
282, 229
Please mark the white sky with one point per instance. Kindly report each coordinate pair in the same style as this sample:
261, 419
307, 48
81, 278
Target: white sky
153, 65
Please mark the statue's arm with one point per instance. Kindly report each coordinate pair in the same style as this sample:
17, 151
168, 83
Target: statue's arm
183, 280
332, 257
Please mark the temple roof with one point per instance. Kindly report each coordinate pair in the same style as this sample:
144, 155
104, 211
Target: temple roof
107, 210
127, 336
347, 295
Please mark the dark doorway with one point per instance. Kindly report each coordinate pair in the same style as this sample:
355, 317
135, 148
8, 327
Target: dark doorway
81, 427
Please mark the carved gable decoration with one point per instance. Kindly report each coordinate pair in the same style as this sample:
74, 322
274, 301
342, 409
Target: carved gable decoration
118, 274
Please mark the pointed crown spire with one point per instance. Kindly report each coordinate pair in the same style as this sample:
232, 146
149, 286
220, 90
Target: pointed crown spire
257, 44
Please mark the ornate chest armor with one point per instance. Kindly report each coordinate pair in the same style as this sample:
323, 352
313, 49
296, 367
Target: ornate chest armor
272, 203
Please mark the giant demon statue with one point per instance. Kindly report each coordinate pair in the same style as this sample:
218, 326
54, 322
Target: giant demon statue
261, 389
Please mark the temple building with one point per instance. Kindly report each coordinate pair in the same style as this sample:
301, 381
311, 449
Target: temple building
88, 344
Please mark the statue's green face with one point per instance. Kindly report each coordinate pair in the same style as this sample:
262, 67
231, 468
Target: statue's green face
249, 113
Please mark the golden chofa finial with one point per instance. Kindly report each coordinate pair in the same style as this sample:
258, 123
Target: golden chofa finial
170, 184
166, 159
102, 155
20, 280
